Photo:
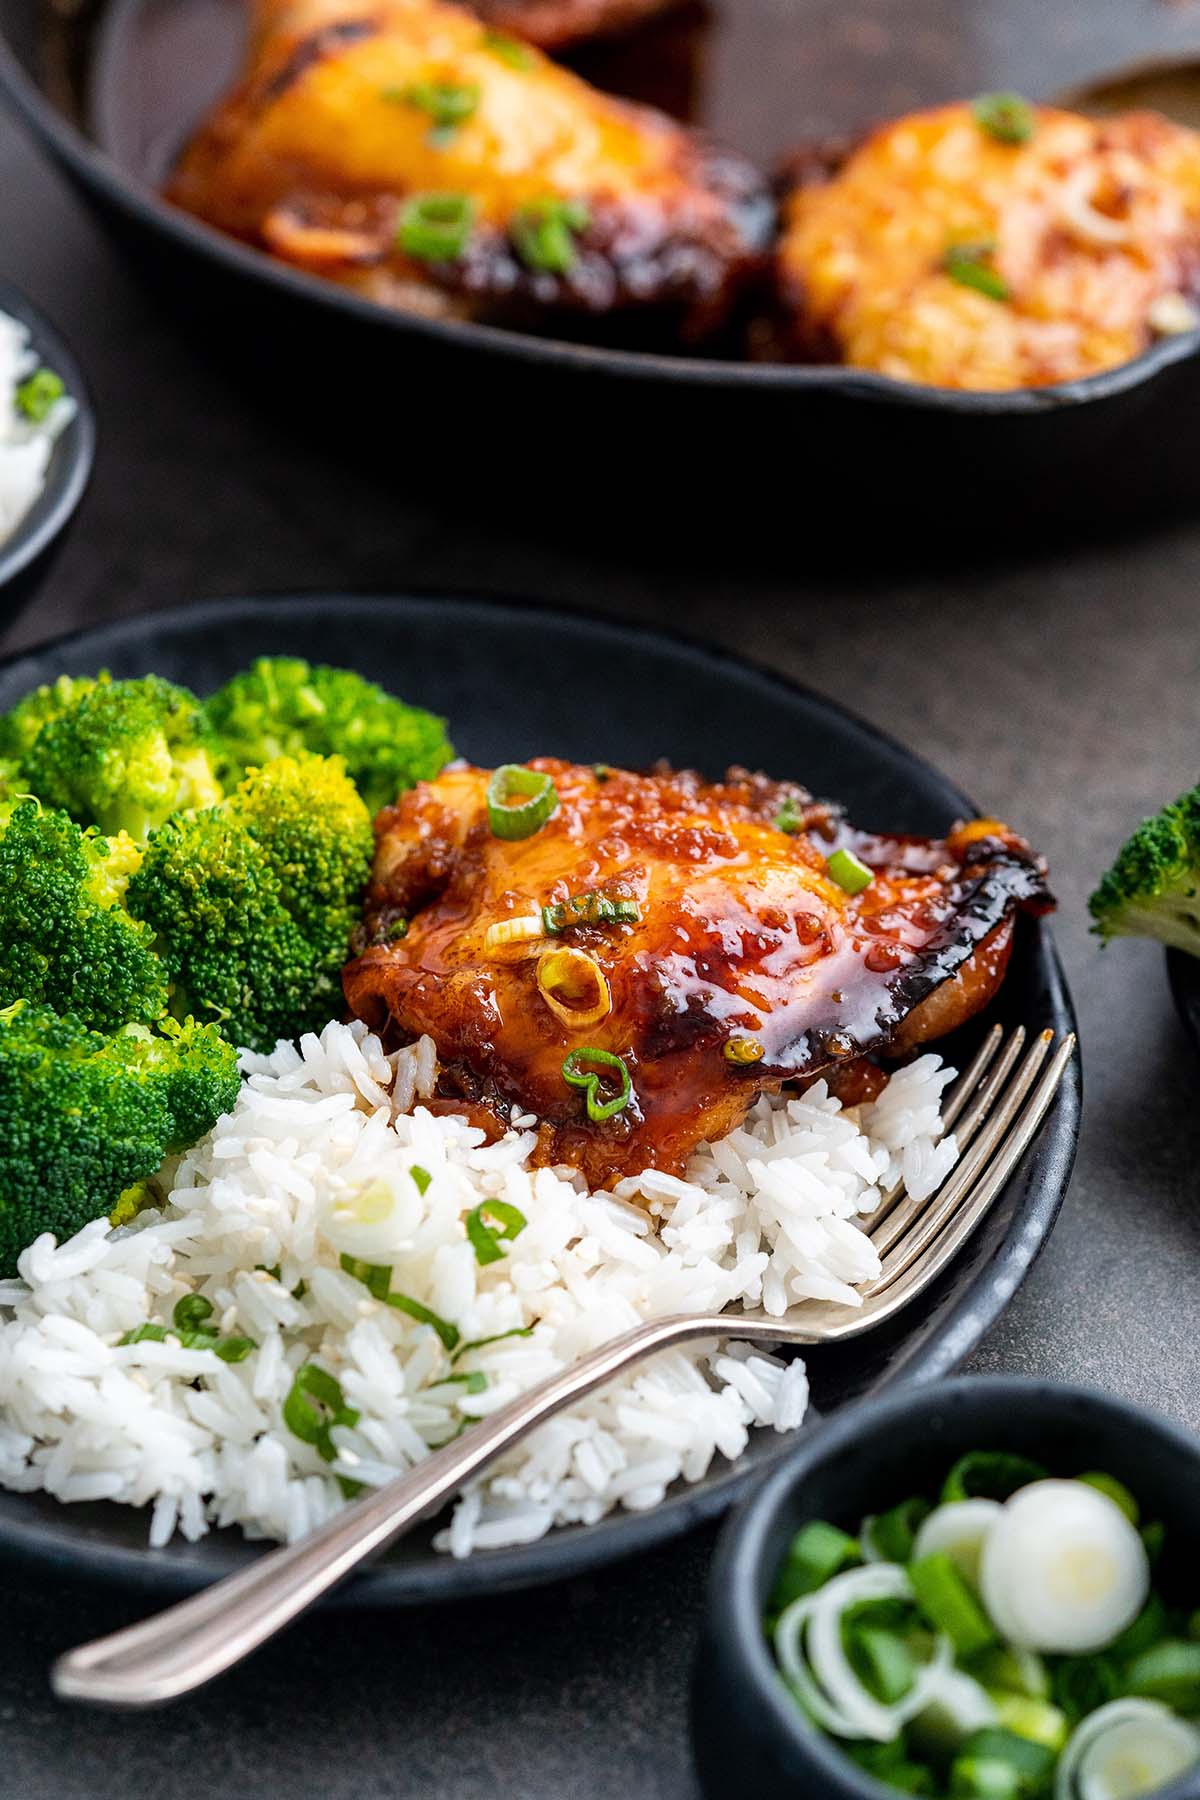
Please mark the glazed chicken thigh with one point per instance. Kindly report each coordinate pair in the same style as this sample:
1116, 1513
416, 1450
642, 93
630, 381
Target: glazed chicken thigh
406, 150
699, 936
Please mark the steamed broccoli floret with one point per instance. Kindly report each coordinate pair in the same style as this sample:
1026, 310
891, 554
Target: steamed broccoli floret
284, 705
19, 728
1153, 887
121, 755
65, 936
84, 1116
253, 902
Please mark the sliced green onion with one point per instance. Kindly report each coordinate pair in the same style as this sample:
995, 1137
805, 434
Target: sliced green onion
789, 818
589, 1080
145, 1334
315, 1404
543, 232
957, 1707
497, 1337
882, 1662
485, 1239
191, 1311
448, 1333
510, 50
473, 1382
1034, 1720
1124, 1736
995, 1764
396, 930
850, 873
893, 1533
1116, 1491
436, 227
375, 1277
815, 1555
37, 396
592, 908
1006, 117
1170, 1672
948, 1603
535, 797
187, 1325
967, 264
421, 1178
448, 103
1154, 1537
1083, 1683
742, 1052
1008, 1669
990, 1475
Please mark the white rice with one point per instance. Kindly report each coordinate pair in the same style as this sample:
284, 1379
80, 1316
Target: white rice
25, 447
314, 1162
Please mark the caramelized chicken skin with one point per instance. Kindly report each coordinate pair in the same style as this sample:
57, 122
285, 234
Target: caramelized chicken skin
405, 150
941, 252
747, 965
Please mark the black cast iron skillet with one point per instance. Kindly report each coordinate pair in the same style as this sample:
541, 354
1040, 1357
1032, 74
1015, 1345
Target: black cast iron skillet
815, 454
514, 681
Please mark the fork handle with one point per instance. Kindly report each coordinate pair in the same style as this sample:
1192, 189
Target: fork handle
199, 1638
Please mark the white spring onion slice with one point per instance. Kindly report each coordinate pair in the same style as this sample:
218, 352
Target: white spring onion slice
959, 1530
1062, 1569
955, 1706
513, 931
825, 1680
1123, 1750
574, 987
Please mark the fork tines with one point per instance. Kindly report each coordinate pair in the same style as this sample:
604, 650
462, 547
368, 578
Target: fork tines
995, 1110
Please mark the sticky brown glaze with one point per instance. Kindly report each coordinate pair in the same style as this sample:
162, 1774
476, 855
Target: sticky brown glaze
742, 939
316, 154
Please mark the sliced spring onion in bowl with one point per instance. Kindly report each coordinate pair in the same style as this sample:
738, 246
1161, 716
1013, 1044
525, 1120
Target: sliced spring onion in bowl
1126, 1749
1063, 1570
958, 1531
812, 1654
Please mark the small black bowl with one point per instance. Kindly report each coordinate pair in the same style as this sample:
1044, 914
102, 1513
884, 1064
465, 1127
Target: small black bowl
25, 555
750, 1736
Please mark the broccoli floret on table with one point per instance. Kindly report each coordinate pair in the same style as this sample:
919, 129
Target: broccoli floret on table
84, 1115
1153, 887
66, 939
283, 705
120, 755
253, 902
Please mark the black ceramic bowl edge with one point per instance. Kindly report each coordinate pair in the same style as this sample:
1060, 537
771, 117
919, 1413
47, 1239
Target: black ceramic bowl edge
70, 468
748, 1733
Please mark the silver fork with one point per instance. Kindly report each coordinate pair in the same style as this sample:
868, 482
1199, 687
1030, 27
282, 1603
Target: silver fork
995, 1108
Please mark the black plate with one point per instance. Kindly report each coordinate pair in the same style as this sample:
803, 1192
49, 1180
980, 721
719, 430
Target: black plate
515, 681
111, 92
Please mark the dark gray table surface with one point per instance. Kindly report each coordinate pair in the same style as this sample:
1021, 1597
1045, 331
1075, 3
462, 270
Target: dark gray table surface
1059, 687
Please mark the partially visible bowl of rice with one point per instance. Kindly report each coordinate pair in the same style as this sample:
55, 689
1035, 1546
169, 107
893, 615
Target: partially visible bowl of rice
47, 443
